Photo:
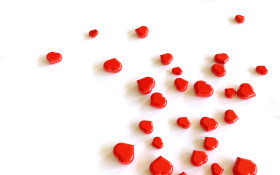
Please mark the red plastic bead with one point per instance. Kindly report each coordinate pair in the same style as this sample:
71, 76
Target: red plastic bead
142, 31
216, 169
112, 65
210, 143
54, 57
221, 58
239, 19
246, 91
166, 58
93, 33
124, 152
177, 71
157, 142
208, 124
230, 117
158, 100
199, 158
219, 70
244, 167
181, 84
146, 85
261, 70
183, 173
202, 89
183, 122
161, 166
146, 126
230, 92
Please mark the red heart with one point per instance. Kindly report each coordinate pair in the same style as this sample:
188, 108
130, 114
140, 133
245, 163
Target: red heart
183, 173
166, 58
216, 169
183, 122
245, 91
142, 31
208, 124
239, 19
181, 84
221, 58
244, 167
230, 117
124, 152
261, 70
54, 57
93, 33
158, 100
177, 71
161, 166
219, 70
112, 65
202, 89
199, 158
157, 142
210, 143
230, 92
146, 85
146, 126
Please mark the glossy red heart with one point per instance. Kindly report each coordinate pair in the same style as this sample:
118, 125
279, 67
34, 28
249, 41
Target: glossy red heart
210, 143
230, 116
244, 167
199, 158
183, 173
221, 58
181, 84
93, 33
157, 142
208, 124
124, 152
54, 57
183, 122
146, 85
219, 70
161, 166
246, 91
202, 89
142, 31
158, 100
239, 19
261, 70
112, 65
177, 71
166, 58
146, 126
216, 169
230, 92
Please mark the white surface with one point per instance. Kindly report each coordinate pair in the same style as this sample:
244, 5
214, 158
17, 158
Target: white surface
64, 119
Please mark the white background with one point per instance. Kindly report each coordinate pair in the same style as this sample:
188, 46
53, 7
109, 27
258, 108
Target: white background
65, 119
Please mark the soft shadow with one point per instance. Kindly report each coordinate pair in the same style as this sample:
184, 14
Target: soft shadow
86, 36
232, 20
136, 130
253, 72
157, 61
144, 163
99, 71
207, 71
108, 159
198, 143
185, 157
43, 61
132, 34
227, 164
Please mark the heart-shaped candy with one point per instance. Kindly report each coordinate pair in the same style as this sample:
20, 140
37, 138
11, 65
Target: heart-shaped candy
112, 65
199, 158
261, 70
230, 116
246, 91
161, 166
244, 167
230, 92
158, 100
219, 70
221, 58
181, 84
202, 89
166, 58
124, 152
54, 57
210, 143
142, 31
146, 85
183, 173
216, 169
183, 122
93, 33
177, 71
157, 142
239, 19
146, 126
208, 124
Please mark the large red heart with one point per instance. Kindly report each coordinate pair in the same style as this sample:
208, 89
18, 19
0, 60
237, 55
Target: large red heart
161, 166
216, 169
208, 124
230, 116
54, 57
181, 84
183, 122
210, 143
221, 58
219, 70
157, 142
202, 89
112, 65
124, 152
146, 85
244, 167
246, 91
142, 31
199, 158
166, 58
158, 100
146, 126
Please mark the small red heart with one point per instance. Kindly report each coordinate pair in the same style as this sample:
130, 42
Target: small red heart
54, 57
146, 126
261, 70
230, 92
221, 58
146, 85
202, 89
161, 166
112, 65
216, 169
181, 84
208, 124
183, 173
166, 58
183, 122
158, 100
124, 152
245, 91
244, 167
93, 33
199, 158
142, 31
157, 142
177, 71
210, 143
219, 70
239, 19
230, 116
